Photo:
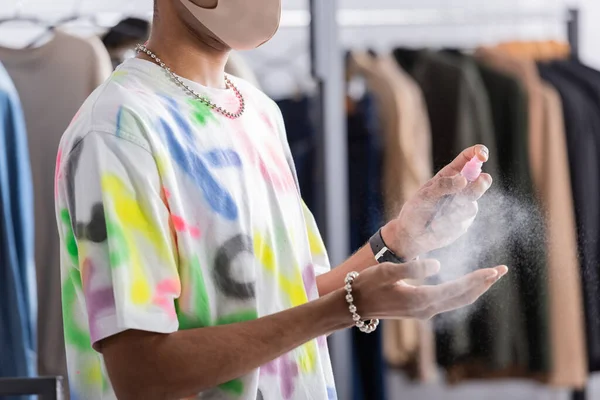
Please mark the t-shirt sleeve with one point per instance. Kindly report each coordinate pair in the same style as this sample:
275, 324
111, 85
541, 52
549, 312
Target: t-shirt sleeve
124, 252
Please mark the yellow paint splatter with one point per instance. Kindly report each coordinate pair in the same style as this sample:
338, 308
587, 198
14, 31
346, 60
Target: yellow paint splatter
317, 247
93, 374
118, 76
130, 215
294, 290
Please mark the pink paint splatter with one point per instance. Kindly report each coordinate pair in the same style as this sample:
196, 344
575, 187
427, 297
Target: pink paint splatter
268, 121
164, 294
178, 223
194, 232
280, 175
75, 117
322, 342
310, 282
181, 226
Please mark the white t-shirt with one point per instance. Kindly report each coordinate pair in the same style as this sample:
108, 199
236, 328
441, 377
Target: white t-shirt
172, 216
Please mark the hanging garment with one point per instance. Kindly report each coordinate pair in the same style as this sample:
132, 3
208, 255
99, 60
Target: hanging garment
550, 173
509, 105
457, 103
366, 213
408, 166
52, 81
121, 39
579, 87
300, 129
18, 298
461, 115
582, 127
401, 114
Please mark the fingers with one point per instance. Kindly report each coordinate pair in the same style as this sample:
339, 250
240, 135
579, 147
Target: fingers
458, 293
474, 292
412, 270
459, 162
443, 186
476, 189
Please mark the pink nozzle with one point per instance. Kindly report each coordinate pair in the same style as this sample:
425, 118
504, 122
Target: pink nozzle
472, 169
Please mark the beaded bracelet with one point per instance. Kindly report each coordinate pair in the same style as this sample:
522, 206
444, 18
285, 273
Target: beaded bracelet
360, 324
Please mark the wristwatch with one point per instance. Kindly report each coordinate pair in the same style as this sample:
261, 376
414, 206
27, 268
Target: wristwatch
382, 252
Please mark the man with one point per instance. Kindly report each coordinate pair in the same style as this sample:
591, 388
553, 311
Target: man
191, 266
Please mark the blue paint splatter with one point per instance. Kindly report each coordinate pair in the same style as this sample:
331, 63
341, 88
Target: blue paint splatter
184, 154
331, 393
216, 196
119, 116
223, 158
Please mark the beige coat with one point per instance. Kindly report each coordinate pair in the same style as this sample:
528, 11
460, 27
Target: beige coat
407, 165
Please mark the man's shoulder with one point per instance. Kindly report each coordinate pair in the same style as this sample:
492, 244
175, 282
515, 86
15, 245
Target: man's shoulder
118, 107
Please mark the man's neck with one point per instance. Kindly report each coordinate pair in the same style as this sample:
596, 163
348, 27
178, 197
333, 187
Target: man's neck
187, 55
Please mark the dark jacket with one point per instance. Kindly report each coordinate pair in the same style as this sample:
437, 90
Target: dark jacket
579, 88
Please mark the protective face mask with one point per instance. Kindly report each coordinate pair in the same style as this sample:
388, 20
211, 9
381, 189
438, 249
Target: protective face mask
240, 24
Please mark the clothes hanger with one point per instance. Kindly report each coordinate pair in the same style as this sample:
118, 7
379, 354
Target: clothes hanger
19, 18
75, 15
92, 19
49, 29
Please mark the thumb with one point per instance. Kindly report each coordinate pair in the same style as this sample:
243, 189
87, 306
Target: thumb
412, 270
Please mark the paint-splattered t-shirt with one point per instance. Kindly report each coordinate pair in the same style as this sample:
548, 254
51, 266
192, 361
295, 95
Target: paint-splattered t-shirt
173, 217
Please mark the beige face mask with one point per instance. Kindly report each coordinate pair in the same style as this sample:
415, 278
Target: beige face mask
240, 24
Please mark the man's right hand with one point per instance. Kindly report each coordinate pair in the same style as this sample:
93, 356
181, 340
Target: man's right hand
382, 292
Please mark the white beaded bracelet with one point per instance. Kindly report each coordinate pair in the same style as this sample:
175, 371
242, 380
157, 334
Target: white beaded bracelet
360, 324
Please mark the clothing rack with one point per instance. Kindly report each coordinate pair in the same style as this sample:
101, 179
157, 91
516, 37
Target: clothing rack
325, 20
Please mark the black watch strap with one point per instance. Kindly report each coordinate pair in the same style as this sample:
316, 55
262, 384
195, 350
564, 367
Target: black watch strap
382, 252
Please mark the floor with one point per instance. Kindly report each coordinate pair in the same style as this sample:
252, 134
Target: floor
402, 389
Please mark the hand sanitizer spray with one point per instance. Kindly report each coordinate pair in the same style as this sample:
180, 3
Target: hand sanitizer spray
471, 172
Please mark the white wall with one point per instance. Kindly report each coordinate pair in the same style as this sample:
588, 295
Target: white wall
590, 31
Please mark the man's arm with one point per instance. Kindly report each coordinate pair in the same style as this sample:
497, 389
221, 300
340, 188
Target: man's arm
359, 261
144, 365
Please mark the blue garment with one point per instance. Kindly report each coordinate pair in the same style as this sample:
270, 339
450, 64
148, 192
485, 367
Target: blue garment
18, 299
300, 131
366, 211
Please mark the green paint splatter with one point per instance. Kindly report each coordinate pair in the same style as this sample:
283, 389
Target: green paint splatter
201, 112
70, 241
201, 307
235, 386
240, 316
73, 334
117, 253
